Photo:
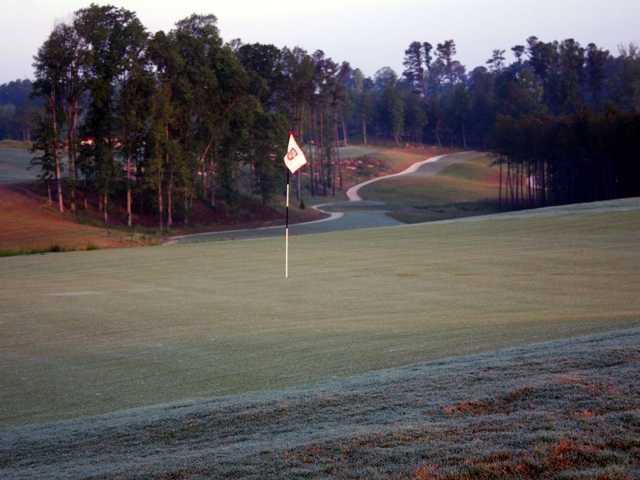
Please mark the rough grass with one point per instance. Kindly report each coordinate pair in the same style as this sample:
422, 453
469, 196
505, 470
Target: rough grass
85, 334
568, 409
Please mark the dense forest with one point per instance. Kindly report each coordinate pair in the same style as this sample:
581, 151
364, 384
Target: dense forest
168, 118
17, 110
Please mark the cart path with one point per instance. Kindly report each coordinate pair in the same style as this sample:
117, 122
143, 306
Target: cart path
353, 194
354, 213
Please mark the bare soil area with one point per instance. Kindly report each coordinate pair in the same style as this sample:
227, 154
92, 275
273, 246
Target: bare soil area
28, 223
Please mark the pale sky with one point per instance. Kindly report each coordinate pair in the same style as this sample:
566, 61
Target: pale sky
370, 34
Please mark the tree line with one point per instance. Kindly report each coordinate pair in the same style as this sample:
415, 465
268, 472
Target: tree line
585, 157
166, 119
17, 109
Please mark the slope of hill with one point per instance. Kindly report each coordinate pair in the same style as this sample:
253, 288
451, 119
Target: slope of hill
563, 409
28, 224
164, 323
465, 188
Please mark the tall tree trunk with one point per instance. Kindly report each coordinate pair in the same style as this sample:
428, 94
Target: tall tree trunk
301, 136
518, 179
211, 181
364, 130
129, 199
49, 199
323, 179
334, 167
72, 162
464, 137
500, 185
212, 192
508, 189
530, 187
314, 153
212, 187
311, 170
345, 134
106, 208
339, 161
54, 124
170, 201
544, 182
186, 208
160, 206
72, 138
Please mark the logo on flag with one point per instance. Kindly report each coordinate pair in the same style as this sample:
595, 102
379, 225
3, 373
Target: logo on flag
294, 159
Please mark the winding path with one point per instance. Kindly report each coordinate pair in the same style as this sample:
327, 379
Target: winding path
353, 194
353, 213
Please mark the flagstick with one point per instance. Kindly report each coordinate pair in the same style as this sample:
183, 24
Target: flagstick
286, 234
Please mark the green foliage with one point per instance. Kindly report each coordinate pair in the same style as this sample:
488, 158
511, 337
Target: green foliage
577, 158
44, 158
112, 40
17, 109
181, 115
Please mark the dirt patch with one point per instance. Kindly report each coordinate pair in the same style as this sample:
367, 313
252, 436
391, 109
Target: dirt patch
502, 404
31, 224
561, 458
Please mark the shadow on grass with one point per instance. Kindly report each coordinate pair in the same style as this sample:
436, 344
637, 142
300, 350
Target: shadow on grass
431, 213
54, 248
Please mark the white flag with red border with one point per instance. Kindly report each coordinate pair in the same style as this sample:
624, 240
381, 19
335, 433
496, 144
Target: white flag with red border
294, 159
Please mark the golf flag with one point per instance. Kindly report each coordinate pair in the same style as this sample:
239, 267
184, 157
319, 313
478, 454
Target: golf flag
294, 159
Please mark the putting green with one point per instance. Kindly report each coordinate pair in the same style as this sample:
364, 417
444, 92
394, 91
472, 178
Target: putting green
91, 332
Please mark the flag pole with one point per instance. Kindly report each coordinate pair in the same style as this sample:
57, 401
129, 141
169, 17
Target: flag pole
286, 234
293, 160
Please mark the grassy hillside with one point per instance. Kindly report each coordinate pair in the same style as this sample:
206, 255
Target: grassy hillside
564, 409
27, 224
363, 162
466, 188
91, 332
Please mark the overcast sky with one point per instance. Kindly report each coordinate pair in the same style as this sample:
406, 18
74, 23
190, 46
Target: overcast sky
369, 34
